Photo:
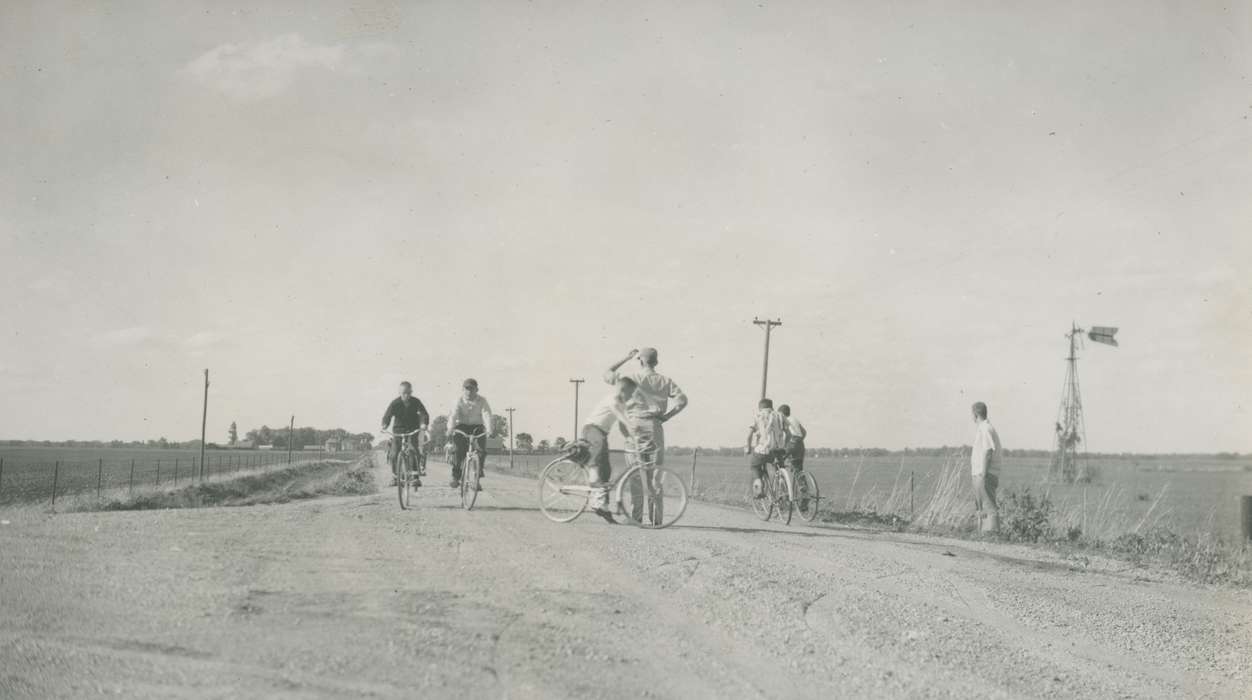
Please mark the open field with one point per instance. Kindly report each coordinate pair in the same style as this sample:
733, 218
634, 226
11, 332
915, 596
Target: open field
28, 473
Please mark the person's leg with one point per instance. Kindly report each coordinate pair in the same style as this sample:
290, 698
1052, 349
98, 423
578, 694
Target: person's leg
598, 468
797, 455
460, 446
658, 438
393, 457
977, 483
482, 450
992, 522
756, 464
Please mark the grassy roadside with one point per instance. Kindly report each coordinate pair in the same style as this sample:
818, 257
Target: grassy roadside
1031, 517
326, 478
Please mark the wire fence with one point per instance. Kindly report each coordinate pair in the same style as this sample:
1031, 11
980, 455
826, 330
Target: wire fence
27, 480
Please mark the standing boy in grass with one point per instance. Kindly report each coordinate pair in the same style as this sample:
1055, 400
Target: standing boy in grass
984, 463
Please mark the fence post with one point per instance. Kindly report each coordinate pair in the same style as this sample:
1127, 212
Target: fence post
910, 495
158, 483
132, 477
694, 454
99, 477
176, 472
1, 472
1084, 511
56, 473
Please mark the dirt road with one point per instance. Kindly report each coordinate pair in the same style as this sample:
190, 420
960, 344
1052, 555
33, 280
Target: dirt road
351, 597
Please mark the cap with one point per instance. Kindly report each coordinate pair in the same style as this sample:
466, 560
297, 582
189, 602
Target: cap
470, 383
648, 355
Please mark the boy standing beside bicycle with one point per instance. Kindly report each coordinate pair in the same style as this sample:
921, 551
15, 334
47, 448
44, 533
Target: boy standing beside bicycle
770, 432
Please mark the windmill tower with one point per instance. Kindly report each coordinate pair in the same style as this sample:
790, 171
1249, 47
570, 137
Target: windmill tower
1069, 459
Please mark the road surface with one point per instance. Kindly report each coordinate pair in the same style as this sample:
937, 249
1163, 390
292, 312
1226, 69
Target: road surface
351, 597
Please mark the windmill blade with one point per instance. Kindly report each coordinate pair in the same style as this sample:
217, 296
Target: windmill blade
1103, 334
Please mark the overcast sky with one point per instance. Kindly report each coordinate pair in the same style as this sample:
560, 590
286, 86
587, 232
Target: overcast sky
318, 200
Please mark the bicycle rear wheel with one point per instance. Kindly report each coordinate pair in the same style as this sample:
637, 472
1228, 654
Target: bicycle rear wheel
763, 506
782, 493
563, 490
651, 497
808, 495
469, 482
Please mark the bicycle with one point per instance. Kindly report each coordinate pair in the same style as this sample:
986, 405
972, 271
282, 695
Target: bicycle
471, 470
411, 466
647, 495
786, 490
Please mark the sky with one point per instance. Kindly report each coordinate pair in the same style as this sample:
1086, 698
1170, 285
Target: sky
318, 200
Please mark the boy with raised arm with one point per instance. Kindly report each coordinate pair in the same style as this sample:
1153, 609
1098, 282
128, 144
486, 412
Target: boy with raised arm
649, 408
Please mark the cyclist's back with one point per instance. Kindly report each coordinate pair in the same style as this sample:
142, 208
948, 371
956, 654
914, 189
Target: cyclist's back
770, 434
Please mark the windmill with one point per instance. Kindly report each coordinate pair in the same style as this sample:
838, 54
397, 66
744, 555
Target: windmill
1069, 461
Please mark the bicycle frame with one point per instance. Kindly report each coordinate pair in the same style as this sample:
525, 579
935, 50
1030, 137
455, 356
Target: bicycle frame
473, 442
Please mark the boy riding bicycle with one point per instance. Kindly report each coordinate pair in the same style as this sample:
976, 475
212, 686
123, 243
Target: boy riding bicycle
595, 433
770, 433
405, 414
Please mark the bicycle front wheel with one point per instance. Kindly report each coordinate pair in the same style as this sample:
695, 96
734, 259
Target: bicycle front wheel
808, 495
651, 497
404, 484
563, 490
469, 482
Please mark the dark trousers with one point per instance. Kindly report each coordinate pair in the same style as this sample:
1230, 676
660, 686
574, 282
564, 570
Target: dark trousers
460, 447
795, 449
393, 454
598, 448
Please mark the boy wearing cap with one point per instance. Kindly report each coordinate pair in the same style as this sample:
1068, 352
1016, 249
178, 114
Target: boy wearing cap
472, 415
649, 407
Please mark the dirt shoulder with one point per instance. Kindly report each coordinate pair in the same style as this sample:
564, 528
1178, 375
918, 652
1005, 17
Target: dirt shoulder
350, 596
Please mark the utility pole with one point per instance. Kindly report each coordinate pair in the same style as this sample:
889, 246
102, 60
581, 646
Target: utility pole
577, 386
291, 429
768, 325
204, 419
510, 412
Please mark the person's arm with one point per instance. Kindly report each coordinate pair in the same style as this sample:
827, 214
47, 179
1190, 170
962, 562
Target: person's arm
391, 410
747, 448
804, 432
680, 401
610, 375
423, 418
452, 417
486, 417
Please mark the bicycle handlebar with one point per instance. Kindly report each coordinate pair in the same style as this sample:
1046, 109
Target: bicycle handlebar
401, 435
458, 431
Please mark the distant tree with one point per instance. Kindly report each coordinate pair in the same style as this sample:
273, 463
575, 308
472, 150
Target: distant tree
233, 433
544, 446
559, 444
525, 441
438, 432
499, 426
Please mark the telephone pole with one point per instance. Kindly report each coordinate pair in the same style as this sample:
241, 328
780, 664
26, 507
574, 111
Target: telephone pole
577, 386
768, 325
204, 418
510, 412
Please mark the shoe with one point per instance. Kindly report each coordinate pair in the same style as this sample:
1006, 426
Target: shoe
757, 489
455, 483
417, 482
395, 481
604, 513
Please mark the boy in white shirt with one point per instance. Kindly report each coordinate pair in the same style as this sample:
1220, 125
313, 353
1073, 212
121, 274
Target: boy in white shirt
984, 465
595, 432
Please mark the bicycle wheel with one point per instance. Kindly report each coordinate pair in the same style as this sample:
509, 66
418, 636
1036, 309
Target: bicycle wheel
763, 506
469, 482
563, 490
404, 486
808, 495
782, 494
651, 497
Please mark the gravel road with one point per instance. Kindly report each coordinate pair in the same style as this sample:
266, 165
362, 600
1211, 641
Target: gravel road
352, 597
